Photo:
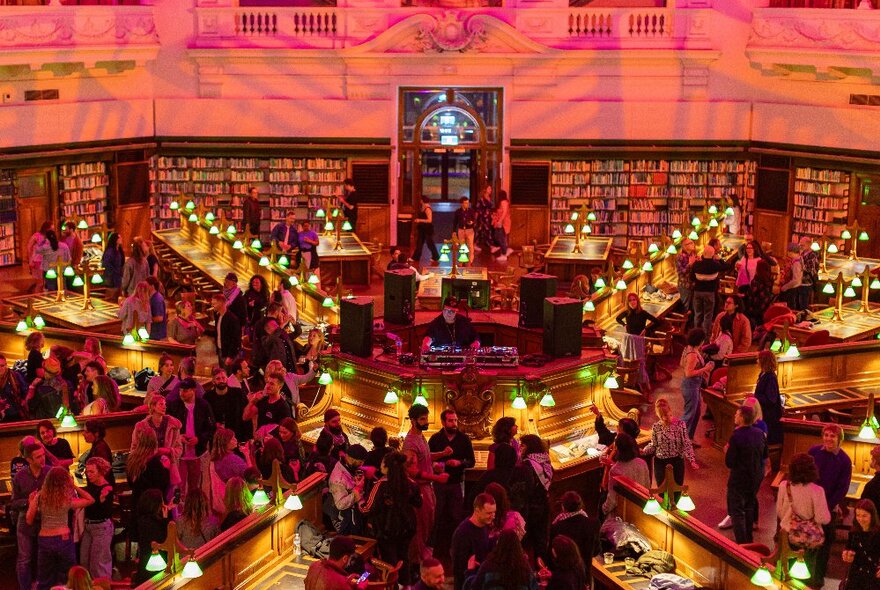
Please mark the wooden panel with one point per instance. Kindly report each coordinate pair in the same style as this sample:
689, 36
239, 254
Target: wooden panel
374, 223
131, 221
529, 225
774, 228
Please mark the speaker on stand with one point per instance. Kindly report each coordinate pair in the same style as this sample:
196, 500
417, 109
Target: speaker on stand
400, 296
533, 289
562, 326
356, 326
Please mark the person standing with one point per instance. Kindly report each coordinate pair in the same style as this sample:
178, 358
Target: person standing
227, 402
741, 334
349, 202
637, 321
113, 261
135, 310
24, 484
74, 243
470, 541
871, 491
333, 433
158, 311
97, 538
696, 371
136, 268
228, 327
35, 256
793, 275
424, 223
251, 212
501, 228
670, 444
683, 263
268, 407
285, 235
52, 251
234, 298
484, 207
308, 247
835, 474
416, 444
196, 431
767, 394
760, 294
810, 263
450, 495
863, 549
744, 456
463, 223
346, 485
706, 274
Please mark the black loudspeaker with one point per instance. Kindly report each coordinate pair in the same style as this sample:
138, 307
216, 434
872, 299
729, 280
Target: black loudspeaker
562, 326
533, 289
400, 296
356, 326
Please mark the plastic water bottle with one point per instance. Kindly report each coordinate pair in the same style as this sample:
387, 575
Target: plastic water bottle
297, 545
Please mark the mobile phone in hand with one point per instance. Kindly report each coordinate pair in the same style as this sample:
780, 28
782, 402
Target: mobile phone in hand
363, 577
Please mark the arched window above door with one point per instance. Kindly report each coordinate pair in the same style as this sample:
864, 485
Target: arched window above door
450, 126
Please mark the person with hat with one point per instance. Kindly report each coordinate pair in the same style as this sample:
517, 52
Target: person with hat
333, 433
706, 274
197, 429
234, 298
792, 278
450, 328
347, 481
47, 394
329, 573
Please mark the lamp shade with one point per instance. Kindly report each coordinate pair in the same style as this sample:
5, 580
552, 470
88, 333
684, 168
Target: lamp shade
867, 431
463, 257
174, 205
693, 235
421, 400
627, 264
214, 230
68, 421
313, 279
328, 302
762, 577
653, 248
128, 339
833, 249
261, 498
97, 279
685, 503
335, 213
589, 306
676, 235
444, 248
21, 326
600, 283
611, 382
231, 230
856, 282
329, 226
391, 397
863, 236
647, 267
591, 216
283, 260
652, 506
845, 234
209, 216
237, 245
51, 274
156, 563
849, 292
713, 210
569, 228
728, 212
696, 221
39, 322
325, 378
293, 281
444, 257
464, 248
621, 285
574, 216
828, 289
82, 224
143, 334
713, 222
257, 244
190, 205
320, 214
792, 352
68, 271
815, 246
519, 403
96, 238
191, 569
293, 502
193, 217
264, 261
77, 281
547, 400
799, 570
672, 249
776, 346
346, 225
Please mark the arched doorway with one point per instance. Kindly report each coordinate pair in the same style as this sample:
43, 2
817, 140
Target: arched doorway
450, 143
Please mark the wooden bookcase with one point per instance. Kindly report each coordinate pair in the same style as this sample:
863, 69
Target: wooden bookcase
8, 218
305, 184
83, 194
647, 198
821, 202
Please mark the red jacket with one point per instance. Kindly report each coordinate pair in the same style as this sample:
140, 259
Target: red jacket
325, 575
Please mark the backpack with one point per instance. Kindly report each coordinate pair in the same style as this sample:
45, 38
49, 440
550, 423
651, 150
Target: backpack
312, 540
142, 378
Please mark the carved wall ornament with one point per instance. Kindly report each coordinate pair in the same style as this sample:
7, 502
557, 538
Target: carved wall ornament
471, 397
814, 33
452, 31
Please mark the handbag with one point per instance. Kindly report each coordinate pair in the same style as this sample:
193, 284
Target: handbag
804, 533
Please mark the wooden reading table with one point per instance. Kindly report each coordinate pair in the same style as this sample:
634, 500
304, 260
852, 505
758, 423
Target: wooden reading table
431, 290
561, 262
352, 261
70, 313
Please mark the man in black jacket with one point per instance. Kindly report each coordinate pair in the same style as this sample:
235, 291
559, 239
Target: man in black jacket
228, 340
450, 495
744, 457
706, 274
196, 430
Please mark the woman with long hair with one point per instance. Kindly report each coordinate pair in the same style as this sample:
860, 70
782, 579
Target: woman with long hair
390, 510
484, 208
35, 258
767, 393
311, 351
696, 370
256, 298
273, 451
147, 468
506, 518
113, 262
135, 310
627, 464
167, 428
290, 438
760, 294
196, 525
33, 346
164, 381
56, 552
97, 536
52, 251
238, 503
185, 328
637, 322
224, 460
136, 268
863, 549
747, 266
503, 433
506, 567
670, 444
568, 571
799, 495
107, 398
78, 578
151, 515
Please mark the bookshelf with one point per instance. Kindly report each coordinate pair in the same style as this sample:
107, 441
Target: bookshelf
305, 184
83, 194
821, 202
8, 217
647, 198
